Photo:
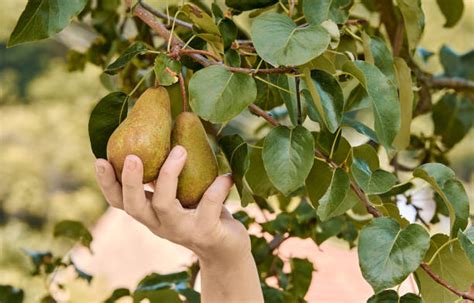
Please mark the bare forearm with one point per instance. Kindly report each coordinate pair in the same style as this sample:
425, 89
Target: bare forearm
231, 281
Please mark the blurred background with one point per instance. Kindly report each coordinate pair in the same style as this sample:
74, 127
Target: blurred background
46, 165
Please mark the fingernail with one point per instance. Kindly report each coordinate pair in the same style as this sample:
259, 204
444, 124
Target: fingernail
130, 163
99, 168
227, 175
177, 152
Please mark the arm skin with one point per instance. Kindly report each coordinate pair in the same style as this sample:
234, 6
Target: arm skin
228, 271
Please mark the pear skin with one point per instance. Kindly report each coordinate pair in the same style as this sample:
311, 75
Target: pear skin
200, 169
145, 133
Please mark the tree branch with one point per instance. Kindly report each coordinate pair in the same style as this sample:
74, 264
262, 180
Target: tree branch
183, 92
457, 84
141, 12
167, 17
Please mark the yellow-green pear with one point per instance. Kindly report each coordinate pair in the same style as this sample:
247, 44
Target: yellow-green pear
145, 133
200, 169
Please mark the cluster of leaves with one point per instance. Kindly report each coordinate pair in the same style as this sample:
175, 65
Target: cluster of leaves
310, 62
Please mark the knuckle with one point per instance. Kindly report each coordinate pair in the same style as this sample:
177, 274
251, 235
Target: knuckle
166, 173
212, 197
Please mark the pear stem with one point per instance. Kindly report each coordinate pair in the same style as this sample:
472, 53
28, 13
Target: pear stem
183, 92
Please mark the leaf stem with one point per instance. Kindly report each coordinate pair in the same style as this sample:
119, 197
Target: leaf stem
298, 100
183, 92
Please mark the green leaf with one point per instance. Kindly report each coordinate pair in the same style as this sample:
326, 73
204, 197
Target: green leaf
317, 11
391, 296
127, 56
381, 55
467, 242
338, 198
256, 175
236, 152
414, 20
318, 181
289, 44
403, 73
217, 95
451, 264
104, 119
359, 127
288, 155
73, 230
372, 181
228, 31
232, 58
268, 96
117, 294
288, 95
452, 11
43, 18
271, 294
383, 97
451, 190
330, 96
166, 70
453, 117
388, 254
161, 288
200, 19
457, 65
161, 295
300, 277
10, 294
246, 5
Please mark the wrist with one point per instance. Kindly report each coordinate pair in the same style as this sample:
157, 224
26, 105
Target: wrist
225, 256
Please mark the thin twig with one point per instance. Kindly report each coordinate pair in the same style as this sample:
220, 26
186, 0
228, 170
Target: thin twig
260, 112
445, 284
183, 92
167, 17
453, 83
199, 51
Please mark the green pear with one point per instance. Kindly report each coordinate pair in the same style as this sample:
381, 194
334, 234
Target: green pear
144, 133
200, 169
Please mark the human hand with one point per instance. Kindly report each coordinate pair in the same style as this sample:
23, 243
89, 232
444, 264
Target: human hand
209, 230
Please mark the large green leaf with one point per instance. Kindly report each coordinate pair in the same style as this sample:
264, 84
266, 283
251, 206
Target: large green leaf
388, 254
43, 18
73, 230
289, 43
451, 264
453, 117
414, 20
338, 198
467, 242
130, 53
288, 155
384, 100
377, 50
326, 91
317, 11
451, 191
359, 127
117, 294
218, 95
104, 119
318, 181
403, 73
391, 296
452, 11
